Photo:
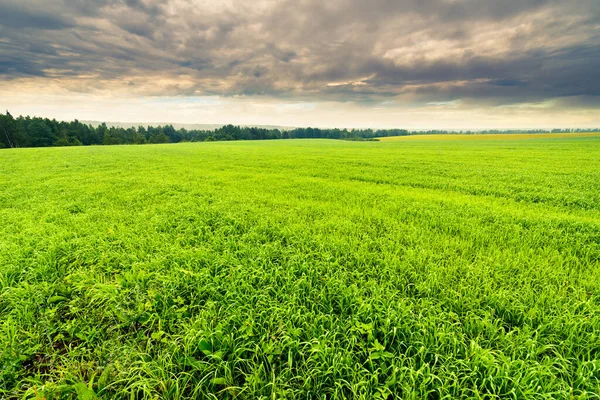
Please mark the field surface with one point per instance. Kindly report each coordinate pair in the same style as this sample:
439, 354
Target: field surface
302, 269
494, 136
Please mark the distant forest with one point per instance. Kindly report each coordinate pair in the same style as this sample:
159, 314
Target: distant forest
43, 132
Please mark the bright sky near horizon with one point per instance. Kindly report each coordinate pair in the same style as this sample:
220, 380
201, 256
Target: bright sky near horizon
415, 64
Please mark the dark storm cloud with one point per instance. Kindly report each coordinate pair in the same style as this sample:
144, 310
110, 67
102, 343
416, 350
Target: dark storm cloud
15, 15
19, 67
503, 52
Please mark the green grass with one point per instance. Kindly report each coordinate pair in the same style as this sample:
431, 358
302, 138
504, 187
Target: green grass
302, 269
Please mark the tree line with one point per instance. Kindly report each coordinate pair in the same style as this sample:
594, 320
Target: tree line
43, 132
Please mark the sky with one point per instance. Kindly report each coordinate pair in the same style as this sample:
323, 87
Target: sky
414, 64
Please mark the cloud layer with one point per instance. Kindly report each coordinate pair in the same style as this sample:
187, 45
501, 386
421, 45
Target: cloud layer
409, 53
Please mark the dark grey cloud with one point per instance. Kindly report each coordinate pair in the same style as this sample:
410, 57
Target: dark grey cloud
22, 15
19, 67
503, 52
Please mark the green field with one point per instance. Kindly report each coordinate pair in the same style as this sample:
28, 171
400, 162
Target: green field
302, 269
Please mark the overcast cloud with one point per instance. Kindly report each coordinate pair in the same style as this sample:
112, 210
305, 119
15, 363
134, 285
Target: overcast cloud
345, 62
